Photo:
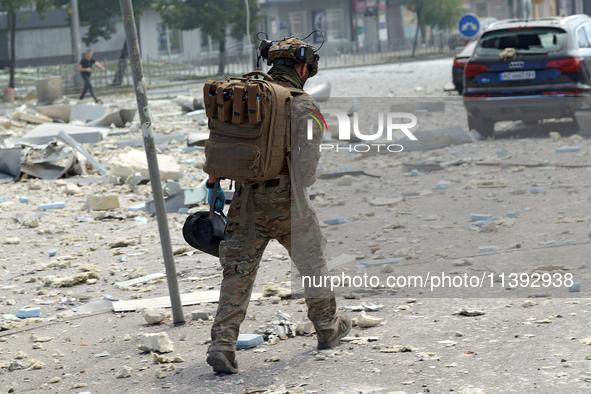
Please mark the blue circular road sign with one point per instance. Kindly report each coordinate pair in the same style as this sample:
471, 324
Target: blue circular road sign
469, 25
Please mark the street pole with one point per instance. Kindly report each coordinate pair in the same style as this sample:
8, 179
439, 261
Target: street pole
75, 35
250, 59
142, 102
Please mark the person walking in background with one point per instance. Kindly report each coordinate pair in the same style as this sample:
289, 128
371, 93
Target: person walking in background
85, 68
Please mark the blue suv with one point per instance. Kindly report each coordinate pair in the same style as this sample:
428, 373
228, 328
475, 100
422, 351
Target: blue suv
529, 70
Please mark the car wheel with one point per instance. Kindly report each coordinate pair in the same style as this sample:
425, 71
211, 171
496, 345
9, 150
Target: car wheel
485, 126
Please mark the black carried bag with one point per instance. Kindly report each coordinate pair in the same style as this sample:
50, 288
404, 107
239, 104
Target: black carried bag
204, 232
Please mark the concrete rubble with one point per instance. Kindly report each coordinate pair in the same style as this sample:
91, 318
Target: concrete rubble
158, 342
63, 270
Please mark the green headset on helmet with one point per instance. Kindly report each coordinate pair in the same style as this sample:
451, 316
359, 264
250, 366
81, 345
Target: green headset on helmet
289, 52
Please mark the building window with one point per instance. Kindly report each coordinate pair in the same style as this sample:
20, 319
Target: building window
297, 23
169, 40
334, 18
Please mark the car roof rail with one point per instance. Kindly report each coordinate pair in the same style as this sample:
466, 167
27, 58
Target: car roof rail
572, 17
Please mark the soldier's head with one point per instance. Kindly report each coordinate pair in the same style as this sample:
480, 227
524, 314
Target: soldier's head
295, 53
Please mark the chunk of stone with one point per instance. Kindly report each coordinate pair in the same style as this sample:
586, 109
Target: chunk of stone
203, 314
153, 316
71, 189
158, 359
103, 202
273, 289
31, 222
407, 253
304, 328
490, 227
124, 372
122, 242
158, 342
364, 320
12, 240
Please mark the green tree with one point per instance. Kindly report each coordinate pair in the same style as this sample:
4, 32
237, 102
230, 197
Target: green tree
11, 7
97, 14
442, 14
213, 17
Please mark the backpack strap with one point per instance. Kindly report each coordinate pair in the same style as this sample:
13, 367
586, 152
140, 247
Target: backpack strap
247, 205
260, 74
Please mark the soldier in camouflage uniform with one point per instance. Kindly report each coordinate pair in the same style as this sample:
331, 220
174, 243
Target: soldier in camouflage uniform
277, 216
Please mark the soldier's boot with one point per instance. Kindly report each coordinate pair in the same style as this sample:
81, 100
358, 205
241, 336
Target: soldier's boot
328, 338
223, 362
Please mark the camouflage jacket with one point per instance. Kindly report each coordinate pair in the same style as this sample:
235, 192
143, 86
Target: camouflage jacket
308, 151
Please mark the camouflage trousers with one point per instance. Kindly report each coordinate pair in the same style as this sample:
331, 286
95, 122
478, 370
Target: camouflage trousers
240, 256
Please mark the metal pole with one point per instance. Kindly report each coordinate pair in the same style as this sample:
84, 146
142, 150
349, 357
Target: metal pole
75, 35
249, 49
142, 102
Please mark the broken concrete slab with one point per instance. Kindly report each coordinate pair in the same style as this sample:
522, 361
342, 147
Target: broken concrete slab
56, 111
49, 90
174, 199
195, 196
164, 302
87, 112
118, 118
96, 306
103, 202
72, 142
46, 132
10, 164
31, 117
135, 162
141, 279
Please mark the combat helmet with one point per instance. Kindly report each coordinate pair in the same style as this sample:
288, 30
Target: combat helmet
290, 51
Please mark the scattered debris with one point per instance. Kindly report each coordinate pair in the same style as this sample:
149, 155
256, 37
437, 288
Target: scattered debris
466, 312
158, 342
124, 372
365, 321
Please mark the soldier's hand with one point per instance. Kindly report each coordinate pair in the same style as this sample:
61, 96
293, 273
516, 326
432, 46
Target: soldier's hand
220, 200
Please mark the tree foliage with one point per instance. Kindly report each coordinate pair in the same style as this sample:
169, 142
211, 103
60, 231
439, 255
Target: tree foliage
442, 14
97, 14
213, 17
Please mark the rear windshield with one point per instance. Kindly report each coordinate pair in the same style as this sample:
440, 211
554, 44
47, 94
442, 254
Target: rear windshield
538, 40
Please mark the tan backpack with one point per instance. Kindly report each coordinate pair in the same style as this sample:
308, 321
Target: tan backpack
249, 133
249, 123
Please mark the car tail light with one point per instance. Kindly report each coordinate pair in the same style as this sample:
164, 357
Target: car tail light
563, 93
472, 69
571, 64
460, 62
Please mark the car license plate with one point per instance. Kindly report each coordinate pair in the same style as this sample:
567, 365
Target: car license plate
518, 75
